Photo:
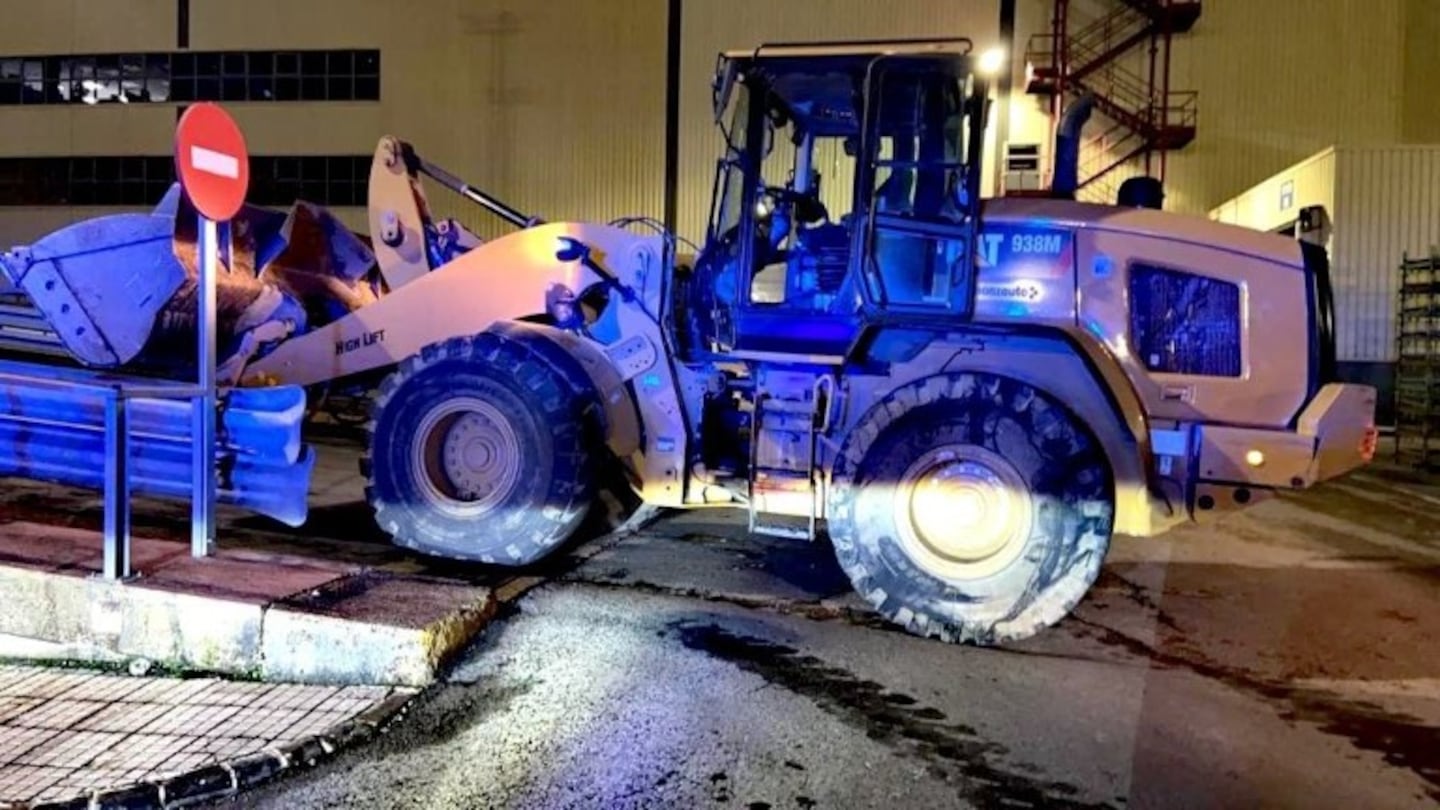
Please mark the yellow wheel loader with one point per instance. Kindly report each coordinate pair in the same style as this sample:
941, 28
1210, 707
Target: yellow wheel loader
969, 397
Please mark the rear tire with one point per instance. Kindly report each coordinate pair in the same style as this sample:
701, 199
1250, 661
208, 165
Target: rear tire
481, 449
980, 513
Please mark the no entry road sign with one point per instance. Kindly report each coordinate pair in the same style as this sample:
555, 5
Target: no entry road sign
214, 169
212, 161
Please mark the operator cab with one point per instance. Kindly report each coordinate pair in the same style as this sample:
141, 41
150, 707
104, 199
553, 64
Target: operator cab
847, 195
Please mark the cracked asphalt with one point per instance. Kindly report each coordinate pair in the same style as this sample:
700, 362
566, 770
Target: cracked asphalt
1287, 657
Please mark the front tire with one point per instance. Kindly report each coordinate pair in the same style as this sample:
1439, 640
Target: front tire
971, 507
481, 450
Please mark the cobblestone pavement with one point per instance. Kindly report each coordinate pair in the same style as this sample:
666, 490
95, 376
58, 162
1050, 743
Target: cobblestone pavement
66, 733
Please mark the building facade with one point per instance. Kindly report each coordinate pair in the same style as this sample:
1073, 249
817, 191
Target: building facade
562, 107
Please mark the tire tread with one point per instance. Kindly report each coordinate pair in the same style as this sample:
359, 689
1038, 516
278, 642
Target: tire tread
568, 406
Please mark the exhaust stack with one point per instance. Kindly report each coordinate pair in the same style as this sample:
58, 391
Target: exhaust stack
1067, 148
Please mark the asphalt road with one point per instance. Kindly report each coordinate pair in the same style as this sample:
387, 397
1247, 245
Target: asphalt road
1289, 657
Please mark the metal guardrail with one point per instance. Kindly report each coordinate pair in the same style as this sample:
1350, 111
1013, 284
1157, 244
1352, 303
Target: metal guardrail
116, 394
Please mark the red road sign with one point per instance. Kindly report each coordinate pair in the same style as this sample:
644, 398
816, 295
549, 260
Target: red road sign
212, 161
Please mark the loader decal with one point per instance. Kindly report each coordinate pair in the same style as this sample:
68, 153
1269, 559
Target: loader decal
1016, 291
351, 344
1010, 252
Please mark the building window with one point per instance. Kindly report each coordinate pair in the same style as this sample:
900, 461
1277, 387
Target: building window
186, 76
277, 181
1183, 323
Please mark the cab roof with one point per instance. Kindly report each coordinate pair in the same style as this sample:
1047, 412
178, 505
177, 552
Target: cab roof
816, 81
854, 51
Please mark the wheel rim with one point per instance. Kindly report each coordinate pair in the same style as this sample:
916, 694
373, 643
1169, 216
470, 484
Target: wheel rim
466, 456
963, 512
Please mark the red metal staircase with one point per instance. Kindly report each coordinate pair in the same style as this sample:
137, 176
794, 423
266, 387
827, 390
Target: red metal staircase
1107, 58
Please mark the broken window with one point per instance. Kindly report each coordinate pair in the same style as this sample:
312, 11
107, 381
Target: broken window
184, 76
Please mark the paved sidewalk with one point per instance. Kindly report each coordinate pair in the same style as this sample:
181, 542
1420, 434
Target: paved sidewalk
67, 734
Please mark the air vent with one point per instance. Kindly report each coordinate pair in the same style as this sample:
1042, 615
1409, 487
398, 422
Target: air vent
1022, 157
1183, 323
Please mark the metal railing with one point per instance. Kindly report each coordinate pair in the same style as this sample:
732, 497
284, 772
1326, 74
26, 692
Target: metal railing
115, 396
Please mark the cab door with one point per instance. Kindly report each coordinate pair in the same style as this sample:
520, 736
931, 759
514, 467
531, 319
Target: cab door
923, 129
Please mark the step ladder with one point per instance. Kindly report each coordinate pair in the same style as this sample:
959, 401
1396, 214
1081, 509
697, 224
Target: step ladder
784, 447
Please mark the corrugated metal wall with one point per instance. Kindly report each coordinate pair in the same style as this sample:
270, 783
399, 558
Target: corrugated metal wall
1384, 201
555, 107
711, 26
1387, 203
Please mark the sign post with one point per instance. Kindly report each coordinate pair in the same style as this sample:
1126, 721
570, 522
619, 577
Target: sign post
214, 169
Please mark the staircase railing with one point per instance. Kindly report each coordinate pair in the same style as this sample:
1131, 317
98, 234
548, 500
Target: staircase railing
1146, 114
1101, 42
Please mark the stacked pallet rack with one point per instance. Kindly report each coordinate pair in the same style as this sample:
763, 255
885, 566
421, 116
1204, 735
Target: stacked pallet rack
1417, 372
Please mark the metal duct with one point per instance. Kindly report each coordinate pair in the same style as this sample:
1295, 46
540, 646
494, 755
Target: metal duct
1067, 148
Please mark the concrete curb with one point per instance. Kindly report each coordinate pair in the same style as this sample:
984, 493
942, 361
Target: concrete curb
232, 777
229, 778
240, 613
372, 628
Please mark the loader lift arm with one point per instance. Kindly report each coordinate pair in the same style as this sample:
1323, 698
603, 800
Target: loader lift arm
419, 165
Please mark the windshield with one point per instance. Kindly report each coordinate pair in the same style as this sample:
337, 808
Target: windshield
731, 180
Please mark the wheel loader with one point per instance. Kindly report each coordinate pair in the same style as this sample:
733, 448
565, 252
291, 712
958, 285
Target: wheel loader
969, 397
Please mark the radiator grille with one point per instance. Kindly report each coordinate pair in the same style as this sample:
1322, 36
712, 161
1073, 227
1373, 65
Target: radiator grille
1182, 323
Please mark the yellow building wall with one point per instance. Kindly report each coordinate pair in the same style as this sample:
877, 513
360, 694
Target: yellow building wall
474, 87
1280, 80
86, 26
477, 88
1420, 113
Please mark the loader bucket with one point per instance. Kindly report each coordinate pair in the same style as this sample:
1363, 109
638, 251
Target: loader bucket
104, 284
123, 290
101, 283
